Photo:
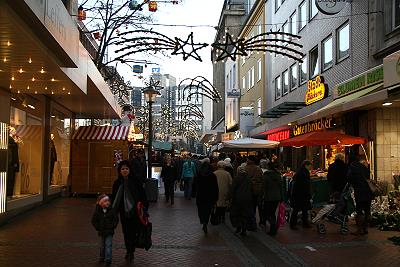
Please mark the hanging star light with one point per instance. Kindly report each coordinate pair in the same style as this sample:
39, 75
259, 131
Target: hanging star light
197, 87
275, 42
138, 41
180, 48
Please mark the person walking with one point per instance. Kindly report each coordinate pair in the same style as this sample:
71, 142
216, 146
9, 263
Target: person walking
188, 175
337, 177
105, 220
241, 211
207, 193
301, 195
358, 175
272, 191
255, 174
229, 167
127, 191
264, 165
224, 180
168, 175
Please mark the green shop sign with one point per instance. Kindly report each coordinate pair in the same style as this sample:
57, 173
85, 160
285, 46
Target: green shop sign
366, 79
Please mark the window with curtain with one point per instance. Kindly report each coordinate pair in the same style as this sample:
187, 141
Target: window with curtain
313, 9
302, 15
314, 62
327, 53
278, 88
293, 77
343, 41
285, 82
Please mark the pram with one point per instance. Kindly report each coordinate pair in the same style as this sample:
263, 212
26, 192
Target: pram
336, 213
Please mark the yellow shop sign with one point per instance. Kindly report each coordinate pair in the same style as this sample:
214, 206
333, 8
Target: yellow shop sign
316, 90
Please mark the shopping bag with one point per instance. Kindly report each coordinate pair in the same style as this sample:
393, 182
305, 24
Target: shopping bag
145, 228
281, 214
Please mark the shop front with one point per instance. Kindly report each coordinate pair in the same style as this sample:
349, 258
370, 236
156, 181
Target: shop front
45, 83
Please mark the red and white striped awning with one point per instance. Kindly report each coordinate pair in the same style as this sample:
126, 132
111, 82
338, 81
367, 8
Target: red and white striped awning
28, 132
101, 133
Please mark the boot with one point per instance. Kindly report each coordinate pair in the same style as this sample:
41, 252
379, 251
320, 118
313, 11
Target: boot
360, 219
365, 225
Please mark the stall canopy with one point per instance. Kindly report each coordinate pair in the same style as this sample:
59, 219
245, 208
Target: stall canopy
247, 144
101, 133
323, 138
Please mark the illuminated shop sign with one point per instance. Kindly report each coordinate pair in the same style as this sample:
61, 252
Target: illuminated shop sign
313, 126
316, 90
365, 79
232, 136
279, 136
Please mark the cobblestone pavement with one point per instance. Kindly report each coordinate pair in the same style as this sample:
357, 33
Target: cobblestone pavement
60, 234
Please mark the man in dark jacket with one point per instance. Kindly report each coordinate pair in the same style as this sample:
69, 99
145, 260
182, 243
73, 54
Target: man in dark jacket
358, 175
105, 220
337, 176
301, 195
169, 175
255, 174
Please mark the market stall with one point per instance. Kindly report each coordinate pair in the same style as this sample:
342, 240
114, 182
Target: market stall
96, 150
246, 144
333, 142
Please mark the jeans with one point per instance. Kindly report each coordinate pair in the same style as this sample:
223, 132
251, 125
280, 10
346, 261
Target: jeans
188, 182
106, 248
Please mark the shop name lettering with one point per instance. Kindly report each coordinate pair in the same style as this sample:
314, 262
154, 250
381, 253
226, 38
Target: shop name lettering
313, 126
54, 14
279, 136
315, 90
360, 82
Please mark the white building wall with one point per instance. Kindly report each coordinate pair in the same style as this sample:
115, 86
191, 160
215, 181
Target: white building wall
231, 104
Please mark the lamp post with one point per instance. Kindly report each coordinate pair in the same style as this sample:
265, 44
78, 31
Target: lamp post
150, 95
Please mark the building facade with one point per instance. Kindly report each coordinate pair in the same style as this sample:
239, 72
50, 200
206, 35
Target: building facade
47, 82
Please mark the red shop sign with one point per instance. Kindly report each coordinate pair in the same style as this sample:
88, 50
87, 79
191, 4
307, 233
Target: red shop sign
279, 136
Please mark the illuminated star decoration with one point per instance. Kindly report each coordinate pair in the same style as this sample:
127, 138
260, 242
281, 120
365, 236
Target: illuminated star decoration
229, 48
180, 48
154, 84
280, 43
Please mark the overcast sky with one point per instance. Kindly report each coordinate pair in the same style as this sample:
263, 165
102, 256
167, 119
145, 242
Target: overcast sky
190, 12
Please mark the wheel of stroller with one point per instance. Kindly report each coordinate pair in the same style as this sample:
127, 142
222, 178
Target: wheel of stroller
313, 214
321, 228
344, 231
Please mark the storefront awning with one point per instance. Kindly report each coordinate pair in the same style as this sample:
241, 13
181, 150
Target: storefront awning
323, 138
101, 133
247, 144
283, 109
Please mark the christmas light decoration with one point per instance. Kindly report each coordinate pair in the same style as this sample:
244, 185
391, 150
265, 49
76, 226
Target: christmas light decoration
197, 87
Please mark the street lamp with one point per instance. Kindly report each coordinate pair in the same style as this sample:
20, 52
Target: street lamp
150, 95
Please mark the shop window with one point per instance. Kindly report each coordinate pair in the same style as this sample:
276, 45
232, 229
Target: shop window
313, 9
396, 14
259, 70
285, 80
278, 87
314, 65
293, 23
303, 71
327, 53
302, 15
343, 41
24, 176
293, 77
60, 143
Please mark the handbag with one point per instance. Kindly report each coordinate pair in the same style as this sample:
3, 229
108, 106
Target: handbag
145, 228
181, 186
373, 186
214, 219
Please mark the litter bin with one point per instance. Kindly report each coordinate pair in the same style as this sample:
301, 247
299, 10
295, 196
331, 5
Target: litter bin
151, 188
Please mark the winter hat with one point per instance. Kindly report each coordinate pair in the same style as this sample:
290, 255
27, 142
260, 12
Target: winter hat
101, 200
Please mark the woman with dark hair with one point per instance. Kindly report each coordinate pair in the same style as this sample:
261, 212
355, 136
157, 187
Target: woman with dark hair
272, 189
207, 193
301, 195
127, 191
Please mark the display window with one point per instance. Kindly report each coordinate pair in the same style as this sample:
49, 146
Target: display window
59, 146
24, 172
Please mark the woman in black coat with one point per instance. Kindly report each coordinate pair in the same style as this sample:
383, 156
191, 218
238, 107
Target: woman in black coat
241, 212
301, 195
337, 177
207, 193
127, 191
169, 175
358, 175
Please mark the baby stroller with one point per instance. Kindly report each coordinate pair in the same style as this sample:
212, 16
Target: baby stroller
336, 213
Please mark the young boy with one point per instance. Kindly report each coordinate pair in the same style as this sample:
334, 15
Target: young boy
105, 220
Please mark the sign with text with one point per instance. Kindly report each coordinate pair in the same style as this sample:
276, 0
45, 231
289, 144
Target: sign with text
316, 90
362, 81
234, 93
279, 136
330, 7
313, 126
